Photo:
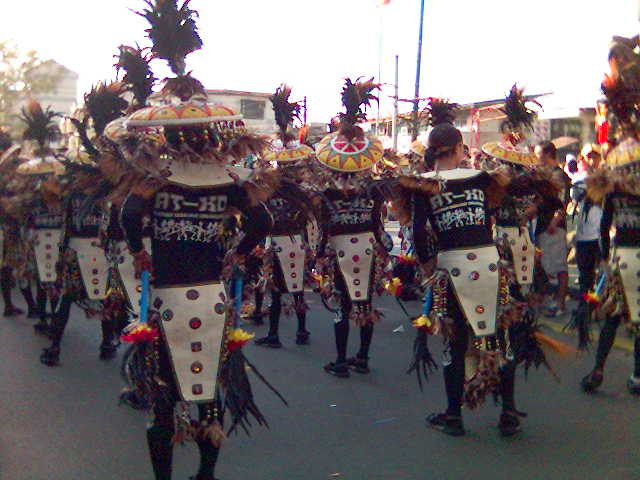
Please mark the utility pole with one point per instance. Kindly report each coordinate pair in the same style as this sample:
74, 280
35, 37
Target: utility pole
416, 97
394, 121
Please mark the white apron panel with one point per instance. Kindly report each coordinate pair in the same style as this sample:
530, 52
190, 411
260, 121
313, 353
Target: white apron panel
132, 285
522, 251
94, 266
313, 234
629, 265
46, 248
475, 279
291, 255
192, 320
355, 259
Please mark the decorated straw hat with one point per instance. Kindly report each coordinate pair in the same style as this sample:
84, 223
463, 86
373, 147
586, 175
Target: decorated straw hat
519, 119
349, 155
41, 166
287, 150
350, 149
196, 110
418, 147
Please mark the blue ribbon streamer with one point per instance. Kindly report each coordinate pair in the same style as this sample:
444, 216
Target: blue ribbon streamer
144, 298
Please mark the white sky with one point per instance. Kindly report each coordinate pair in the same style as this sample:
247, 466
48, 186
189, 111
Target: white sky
473, 49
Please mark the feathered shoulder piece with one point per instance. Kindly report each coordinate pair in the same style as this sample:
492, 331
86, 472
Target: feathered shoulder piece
285, 111
138, 77
520, 117
538, 181
174, 35
39, 122
356, 96
622, 85
104, 103
441, 111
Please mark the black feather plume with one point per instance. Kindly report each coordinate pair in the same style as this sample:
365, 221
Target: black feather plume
173, 31
356, 95
519, 116
285, 111
138, 77
40, 126
104, 103
441, 111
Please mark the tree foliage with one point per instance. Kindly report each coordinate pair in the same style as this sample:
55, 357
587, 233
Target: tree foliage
21, 76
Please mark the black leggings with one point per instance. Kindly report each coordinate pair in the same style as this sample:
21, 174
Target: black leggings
341, 330
61, 318
607, 337
454, 370
159, 440
276, 308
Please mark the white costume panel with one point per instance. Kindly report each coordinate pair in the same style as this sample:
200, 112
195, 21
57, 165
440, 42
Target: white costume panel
355, 259
628, 260
475, 279
313, 234
93, 266
522, 251
46, 247
126, 270
192, 320
291, 255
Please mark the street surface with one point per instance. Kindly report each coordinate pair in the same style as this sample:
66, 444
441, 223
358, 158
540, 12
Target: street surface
64, 423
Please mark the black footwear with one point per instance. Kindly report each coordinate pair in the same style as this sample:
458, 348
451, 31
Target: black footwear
633, 385
50, 356
256, 318
108, 351
133, 400
34, 314
269, 341
591, 382
445, 423
12, 312
359, 365
302, 338
337, 369
43, 328
509, 424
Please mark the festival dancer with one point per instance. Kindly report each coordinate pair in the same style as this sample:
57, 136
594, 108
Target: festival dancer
469, 284
284, 262
190, 352
43, 209
84, 264
351, 258
529, 194
619, 191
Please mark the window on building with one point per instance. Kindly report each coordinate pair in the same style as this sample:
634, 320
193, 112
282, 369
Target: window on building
252, 109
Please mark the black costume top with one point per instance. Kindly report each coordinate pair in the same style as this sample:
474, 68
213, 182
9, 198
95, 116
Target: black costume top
288, 218
83, 221
458, 215
343, 214
187, 223
622, 210
42, 218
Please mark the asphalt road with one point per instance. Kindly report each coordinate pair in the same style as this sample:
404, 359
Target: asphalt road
64, 423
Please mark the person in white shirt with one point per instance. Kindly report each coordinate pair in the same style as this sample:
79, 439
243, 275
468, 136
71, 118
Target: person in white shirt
587, 237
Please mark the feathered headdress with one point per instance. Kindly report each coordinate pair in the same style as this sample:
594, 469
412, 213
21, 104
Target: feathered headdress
104, 103
285, 111
622, 85
40, 125
355, 96
174, 35
138, 77
441, 111
520, 118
